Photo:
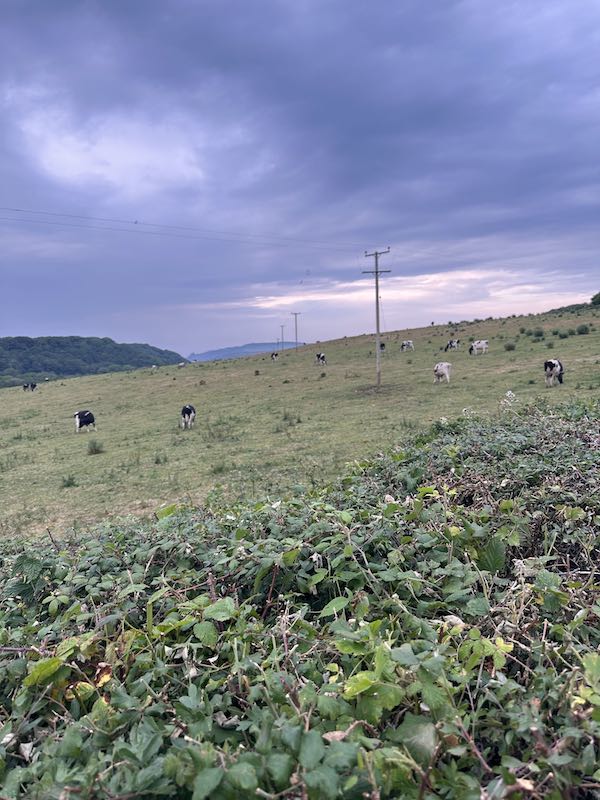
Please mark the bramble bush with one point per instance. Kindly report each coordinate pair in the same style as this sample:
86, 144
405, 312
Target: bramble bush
426, 627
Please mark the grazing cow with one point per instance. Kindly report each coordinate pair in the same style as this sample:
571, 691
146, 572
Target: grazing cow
84, 419
320, 359
479, 346
25, 387
274, 356
188, 415
382, 346
33, 386
554, 371
453, 344
407, 344
441, 371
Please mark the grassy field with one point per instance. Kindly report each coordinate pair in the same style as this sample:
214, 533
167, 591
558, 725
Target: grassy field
262, 427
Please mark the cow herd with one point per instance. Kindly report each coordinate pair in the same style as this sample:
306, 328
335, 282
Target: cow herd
553, 370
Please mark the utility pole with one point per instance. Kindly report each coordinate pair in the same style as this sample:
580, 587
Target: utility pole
295, 315
377, 272
282, 339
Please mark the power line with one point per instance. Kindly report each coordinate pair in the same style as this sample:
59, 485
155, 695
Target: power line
162, 229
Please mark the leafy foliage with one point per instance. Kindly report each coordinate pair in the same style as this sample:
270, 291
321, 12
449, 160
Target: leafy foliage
426, 627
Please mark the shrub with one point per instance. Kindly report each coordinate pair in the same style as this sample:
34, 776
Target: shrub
596, 299
550, 345
521, 329
582, 330
510, 346
563, 335
571, 331
69, 481
94, 447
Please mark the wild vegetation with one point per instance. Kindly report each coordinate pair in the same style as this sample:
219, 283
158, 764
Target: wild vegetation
424, 627
25, 359
263, 428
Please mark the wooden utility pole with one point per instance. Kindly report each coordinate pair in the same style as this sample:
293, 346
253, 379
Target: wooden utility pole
377, 272
295, 314
282, 339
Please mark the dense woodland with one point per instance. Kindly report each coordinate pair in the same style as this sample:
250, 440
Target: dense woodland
23, 358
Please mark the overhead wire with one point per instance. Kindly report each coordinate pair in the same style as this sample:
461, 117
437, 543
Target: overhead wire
173, 231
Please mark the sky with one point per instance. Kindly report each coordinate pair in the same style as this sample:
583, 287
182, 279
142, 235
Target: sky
191, 174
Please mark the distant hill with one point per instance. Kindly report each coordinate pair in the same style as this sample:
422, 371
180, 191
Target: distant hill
24, 359
240, 351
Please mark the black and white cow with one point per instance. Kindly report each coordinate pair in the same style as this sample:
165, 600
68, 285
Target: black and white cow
188, 415
84, 419
407, 344
453, 344
31, 386
382, 347
25, 387
479, 346
554, 371
274, 356
441, 371
320, 359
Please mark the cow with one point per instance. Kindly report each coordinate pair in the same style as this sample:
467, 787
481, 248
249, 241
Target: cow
25, 387
382, 346
478, 346
554, 372
441, 371
320, 359
407, 344
188, 415
453, 344
33, 386
274, 356
84, 419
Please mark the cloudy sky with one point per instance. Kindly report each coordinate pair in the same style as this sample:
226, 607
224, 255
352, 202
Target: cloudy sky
189, 173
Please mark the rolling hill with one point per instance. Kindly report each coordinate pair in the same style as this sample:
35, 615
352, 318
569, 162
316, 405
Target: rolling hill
23, 358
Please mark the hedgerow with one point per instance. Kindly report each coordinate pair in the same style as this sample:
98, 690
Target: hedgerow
425, 628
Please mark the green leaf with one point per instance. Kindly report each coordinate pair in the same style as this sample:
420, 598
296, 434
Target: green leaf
41, 672
206, 633
323, 781
335, 605
404, 655
312, 749
492, 557
280, 766
206, 782
221, 610
359, 683
419, 736
243, 776
167, 511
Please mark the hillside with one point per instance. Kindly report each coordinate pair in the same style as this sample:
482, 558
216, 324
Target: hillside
240, 351
25, 359
264, 428
426, 626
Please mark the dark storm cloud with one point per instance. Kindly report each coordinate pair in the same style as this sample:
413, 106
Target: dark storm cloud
464, 134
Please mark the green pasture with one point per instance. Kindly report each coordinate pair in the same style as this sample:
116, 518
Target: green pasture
263, 428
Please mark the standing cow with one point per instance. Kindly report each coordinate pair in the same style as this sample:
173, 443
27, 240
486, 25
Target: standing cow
188, 415
320, 359
441, 371
479, 346
407, 344
453, 344
554, 372
84, 419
